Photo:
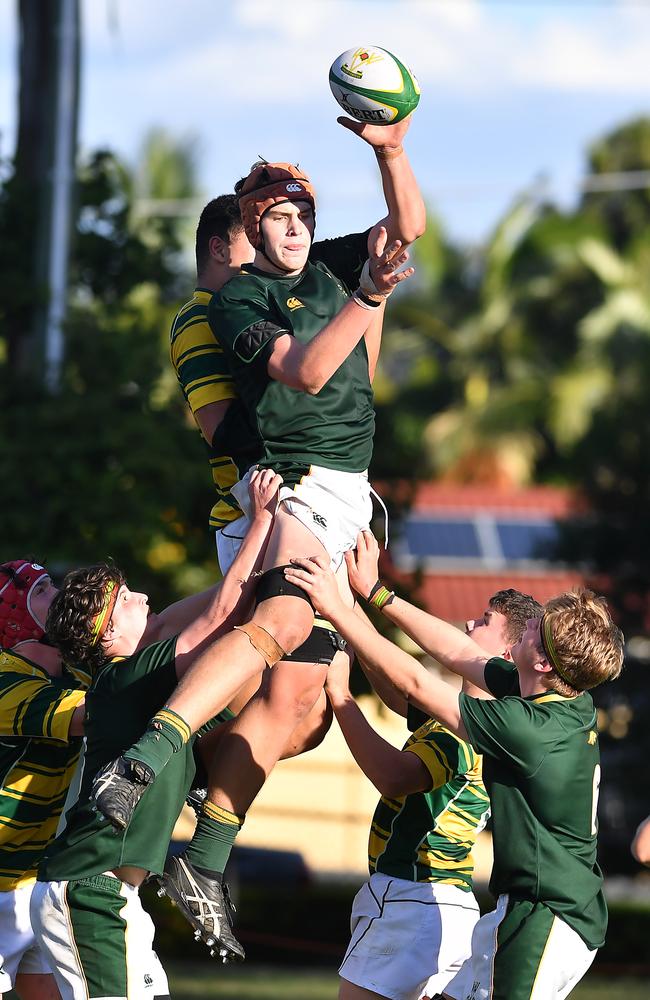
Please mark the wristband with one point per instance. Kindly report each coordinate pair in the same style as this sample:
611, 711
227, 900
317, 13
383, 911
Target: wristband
380, 596
364, 300
390, 153
367, 284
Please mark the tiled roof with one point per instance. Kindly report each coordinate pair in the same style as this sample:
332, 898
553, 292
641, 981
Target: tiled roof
456, 597
552, 501
458, 593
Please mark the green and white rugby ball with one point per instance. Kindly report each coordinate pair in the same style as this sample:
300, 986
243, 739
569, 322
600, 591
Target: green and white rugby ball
373, 86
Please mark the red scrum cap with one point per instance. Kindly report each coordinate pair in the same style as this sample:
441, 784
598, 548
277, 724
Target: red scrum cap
270, 184
17, 620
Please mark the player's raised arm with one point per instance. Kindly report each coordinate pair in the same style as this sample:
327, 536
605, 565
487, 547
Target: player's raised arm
416, 684
393, 772
309, 366
451, 647
406, 219
391, 696
218, 609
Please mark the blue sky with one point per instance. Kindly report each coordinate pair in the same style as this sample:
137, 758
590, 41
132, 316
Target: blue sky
511, 90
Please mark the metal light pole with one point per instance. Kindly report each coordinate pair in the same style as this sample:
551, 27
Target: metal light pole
62, 187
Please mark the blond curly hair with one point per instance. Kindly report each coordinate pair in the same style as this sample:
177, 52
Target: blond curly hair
587, 647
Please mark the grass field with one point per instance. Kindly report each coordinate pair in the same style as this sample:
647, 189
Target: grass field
270, 983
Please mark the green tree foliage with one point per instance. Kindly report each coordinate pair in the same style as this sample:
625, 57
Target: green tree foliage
531, 361
111, 466
167, 166
623, 202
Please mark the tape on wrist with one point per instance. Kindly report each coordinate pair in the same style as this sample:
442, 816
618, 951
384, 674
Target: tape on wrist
366, 281
364, 300
390, 153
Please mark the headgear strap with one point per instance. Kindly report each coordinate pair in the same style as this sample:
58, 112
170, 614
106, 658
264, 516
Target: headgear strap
548, 645
271, 184
103, 617
18, 623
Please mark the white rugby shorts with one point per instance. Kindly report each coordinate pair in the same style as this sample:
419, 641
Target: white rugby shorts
229, 541
562, 963
103, 951
335, 506
407, 936
19, 950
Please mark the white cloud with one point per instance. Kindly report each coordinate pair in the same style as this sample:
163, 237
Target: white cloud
250, 76
254, 51
612, 56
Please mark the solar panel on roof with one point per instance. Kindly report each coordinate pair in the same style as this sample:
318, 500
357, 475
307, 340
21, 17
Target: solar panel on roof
527, 540
484, 538
440, 538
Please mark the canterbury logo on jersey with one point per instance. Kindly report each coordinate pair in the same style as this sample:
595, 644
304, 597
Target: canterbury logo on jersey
592, 738
319, 520
295, 187
294, 303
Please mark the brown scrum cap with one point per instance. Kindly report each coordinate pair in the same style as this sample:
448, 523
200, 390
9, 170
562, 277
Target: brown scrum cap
270, 184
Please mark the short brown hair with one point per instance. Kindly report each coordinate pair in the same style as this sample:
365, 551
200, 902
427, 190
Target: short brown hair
74, 611
517, 608
588, 647
220, 217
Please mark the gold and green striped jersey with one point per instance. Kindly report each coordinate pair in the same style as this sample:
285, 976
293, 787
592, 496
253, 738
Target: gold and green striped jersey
429, 836
202, 372
37, 761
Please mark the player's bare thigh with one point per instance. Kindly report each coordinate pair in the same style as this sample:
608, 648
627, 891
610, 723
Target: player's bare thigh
290, 539
36, 986
350, 991
289, 619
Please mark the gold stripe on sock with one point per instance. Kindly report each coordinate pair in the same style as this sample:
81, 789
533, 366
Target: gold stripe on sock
221, 815
175, 721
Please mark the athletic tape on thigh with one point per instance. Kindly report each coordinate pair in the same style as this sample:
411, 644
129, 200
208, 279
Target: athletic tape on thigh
263, 642
273, 583
320, 646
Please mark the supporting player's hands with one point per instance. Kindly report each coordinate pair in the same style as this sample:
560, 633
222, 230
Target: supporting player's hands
337, 682
382, 137
263, 491
363, 563
381, 272
315, 577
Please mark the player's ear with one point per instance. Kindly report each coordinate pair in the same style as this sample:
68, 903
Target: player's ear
109, 636
218, 249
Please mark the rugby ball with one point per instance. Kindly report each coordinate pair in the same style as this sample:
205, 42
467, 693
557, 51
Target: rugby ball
373, 86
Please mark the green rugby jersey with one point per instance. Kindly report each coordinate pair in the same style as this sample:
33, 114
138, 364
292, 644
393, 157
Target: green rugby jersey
541, 765
429, 836
37, 760
334, 428
204, 376
124, 695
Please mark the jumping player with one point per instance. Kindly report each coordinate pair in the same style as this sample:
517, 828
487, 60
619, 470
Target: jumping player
539, 742
201, 366
293, 334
